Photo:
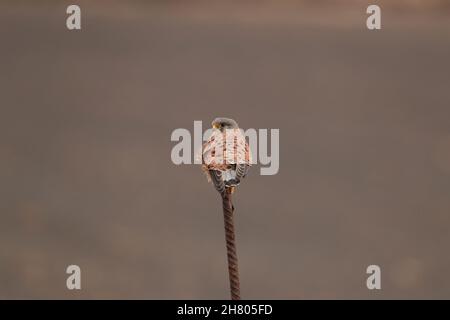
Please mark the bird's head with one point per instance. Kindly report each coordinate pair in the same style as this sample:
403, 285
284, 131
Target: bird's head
224, 124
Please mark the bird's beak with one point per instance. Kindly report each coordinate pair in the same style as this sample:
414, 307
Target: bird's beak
216, 126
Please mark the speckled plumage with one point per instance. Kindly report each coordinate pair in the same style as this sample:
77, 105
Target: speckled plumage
226, 155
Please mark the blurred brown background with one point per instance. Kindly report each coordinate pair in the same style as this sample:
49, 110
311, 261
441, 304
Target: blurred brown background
85, 170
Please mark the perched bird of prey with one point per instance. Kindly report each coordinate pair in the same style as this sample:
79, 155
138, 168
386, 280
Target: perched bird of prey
226, 155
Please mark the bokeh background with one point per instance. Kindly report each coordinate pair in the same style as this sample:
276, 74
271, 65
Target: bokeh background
86, 176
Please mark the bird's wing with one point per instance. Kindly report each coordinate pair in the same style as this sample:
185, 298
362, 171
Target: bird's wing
241, 170
214, 152
245, 157
216, 178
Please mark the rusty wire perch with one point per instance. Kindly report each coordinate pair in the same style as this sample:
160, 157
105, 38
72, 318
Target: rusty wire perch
233, 269
225, 170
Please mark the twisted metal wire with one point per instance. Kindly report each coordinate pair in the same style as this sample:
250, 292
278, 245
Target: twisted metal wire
233, 269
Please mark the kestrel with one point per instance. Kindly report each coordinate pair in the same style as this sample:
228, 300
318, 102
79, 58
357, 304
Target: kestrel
226, 155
